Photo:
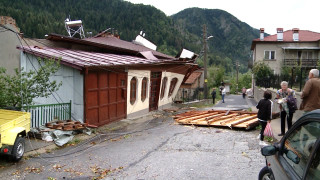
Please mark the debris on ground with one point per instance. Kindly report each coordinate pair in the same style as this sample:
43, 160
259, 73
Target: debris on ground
219, 118
61, 132
68, 125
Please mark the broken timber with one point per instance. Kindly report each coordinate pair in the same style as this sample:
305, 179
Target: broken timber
218, 118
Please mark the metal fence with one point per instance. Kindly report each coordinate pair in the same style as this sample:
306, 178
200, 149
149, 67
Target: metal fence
41, 114
274, 81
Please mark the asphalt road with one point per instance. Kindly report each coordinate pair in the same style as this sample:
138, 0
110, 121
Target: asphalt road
154, 149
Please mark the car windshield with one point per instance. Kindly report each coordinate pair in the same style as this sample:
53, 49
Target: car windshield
299, 144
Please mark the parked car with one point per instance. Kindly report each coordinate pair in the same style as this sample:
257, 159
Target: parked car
14, 126
297, 155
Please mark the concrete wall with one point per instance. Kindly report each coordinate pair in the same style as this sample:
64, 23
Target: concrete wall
9, 54
166, 100
258, 95
258, 53
139, 105
71, 89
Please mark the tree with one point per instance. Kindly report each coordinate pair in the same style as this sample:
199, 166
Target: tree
262, 72
20, 89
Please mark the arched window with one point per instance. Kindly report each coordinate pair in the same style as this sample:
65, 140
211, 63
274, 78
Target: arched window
172, 86
163, 87
144, 89
133, 90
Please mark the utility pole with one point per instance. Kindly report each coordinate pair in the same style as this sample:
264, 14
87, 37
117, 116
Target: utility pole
237, 67
205, 88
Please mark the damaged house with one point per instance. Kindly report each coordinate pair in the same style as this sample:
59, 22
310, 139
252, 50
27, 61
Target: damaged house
106, 79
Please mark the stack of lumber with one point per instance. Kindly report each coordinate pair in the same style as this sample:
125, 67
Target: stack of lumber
232, 119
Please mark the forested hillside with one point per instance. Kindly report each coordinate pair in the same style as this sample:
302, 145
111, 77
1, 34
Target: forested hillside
232, 38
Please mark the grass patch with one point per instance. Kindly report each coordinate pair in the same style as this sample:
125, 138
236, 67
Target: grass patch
74, 142
258, 127
268, 139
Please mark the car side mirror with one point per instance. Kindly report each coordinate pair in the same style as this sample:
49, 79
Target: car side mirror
293, 157
268, 150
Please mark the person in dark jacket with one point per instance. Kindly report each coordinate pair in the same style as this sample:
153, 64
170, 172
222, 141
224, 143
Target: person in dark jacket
213, 95
264, 114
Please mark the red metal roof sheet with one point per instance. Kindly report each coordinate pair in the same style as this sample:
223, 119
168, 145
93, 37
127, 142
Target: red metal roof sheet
109, 42
79, 59
193, 77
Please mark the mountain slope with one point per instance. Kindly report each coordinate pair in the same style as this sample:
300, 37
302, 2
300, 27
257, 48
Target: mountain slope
231, 37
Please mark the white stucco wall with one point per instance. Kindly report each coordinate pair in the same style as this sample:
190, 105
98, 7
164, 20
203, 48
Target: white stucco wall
138, 105
144, 105
168, 100
71, 89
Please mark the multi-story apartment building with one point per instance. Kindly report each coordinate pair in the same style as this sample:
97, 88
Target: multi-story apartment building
292, 48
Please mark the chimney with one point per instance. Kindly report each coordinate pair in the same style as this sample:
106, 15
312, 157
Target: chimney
261, 34
295, 34
280, 34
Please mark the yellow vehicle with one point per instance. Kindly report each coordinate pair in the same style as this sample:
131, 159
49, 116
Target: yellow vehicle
14, 126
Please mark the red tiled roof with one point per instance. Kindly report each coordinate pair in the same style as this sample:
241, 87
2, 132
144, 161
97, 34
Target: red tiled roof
110, 42
80, 59
193, 77
304, 36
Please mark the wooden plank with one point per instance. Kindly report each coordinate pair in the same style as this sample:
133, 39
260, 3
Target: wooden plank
218, 118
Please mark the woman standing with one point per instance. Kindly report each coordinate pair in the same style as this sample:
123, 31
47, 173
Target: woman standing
285, 112
264, 114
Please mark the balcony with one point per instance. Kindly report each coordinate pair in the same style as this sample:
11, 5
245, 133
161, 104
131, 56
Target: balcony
301, 62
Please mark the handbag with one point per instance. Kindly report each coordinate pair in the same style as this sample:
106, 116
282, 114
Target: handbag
268, 130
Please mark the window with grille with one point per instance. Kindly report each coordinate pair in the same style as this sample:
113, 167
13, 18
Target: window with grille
133, 90
163, 87
172, 86
144, 89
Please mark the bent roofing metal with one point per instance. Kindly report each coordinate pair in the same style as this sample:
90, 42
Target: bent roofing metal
109, 42
80, 59
218, 118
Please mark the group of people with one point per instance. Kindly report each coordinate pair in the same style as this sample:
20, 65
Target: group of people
223, 93
214, 94
286, 98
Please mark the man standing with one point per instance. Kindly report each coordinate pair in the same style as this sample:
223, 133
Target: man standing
311, 92
213, 94
223, 93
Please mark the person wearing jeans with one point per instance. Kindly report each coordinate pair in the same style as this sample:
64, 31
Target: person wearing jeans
223, 93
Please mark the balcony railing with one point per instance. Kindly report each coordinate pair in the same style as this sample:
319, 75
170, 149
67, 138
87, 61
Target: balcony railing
301, 62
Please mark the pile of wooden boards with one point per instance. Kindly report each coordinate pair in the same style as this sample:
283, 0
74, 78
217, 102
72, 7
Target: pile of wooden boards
231, 119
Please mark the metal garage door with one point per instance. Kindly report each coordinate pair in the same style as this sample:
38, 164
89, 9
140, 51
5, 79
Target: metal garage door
105, 97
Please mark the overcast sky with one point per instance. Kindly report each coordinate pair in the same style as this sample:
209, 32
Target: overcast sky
270, 14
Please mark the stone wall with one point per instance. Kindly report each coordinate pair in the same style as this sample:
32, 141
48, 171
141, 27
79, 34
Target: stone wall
258, 94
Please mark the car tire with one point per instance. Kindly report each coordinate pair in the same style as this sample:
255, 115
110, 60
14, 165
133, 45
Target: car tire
265, 174
18, 149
